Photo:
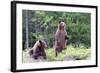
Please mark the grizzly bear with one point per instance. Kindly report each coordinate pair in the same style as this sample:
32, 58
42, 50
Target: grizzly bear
60, 37
38, 49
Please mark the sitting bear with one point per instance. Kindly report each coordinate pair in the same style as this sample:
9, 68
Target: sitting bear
60, 37
38, 50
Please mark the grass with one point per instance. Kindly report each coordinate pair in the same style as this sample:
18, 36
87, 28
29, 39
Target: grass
70, 53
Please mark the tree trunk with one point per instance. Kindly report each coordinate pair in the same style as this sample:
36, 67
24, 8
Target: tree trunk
26, 22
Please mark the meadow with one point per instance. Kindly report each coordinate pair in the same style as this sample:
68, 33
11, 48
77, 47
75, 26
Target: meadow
69, 54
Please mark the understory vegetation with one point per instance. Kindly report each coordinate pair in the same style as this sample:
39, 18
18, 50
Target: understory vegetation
69, 54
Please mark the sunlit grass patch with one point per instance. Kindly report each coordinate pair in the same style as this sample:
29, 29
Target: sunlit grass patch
70, 53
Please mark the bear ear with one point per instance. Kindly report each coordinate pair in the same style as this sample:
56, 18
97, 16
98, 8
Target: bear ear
40, 41
59, 22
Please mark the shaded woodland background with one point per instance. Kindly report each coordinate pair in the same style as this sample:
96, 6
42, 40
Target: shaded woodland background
43, 25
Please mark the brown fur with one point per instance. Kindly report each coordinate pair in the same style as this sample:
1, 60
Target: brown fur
60, 38
38, 50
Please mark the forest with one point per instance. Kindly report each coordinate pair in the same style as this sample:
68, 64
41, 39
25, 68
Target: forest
42, 25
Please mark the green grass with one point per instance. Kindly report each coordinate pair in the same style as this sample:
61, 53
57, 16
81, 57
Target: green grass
69, 53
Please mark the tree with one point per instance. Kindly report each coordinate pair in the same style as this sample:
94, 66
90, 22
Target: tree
43, 25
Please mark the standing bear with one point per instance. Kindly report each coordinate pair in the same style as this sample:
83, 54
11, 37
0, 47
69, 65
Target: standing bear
60, 37
38, 49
